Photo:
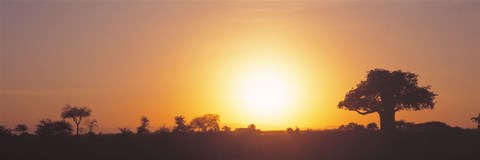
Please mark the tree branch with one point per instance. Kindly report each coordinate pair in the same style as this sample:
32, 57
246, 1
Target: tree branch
397, 109
365, 113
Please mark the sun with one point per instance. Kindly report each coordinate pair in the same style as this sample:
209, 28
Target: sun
266, 93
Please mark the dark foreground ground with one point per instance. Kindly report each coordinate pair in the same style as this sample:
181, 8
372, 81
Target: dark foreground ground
320, 145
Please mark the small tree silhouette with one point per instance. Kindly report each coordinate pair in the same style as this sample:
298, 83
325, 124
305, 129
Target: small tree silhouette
252, 127
90, 124
372, 126
143, 128
385, 92
476, 119
208, 122
21, 129
47, 127
76, 114
181, 126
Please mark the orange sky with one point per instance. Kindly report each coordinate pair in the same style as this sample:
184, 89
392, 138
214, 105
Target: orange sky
162, 59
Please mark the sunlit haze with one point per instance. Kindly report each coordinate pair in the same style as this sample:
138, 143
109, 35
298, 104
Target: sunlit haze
276, 64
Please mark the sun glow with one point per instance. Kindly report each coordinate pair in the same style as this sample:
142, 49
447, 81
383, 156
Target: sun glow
265, 82
266, 93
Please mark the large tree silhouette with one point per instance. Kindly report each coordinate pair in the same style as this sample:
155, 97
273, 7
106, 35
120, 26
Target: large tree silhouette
76, 114
387, 92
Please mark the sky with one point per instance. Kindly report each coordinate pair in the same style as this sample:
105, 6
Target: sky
160, 59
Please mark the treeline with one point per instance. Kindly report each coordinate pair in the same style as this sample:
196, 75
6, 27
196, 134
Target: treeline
401, 125
79, 115
202, 124
206, 123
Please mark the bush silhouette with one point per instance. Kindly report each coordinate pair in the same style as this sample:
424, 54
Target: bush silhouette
206, 123
372, 126
292, 131
4, 131
226, 129
163, 130
125, 131
47, 127
250, 130
386, 92
402, 124
352, 127
432, 125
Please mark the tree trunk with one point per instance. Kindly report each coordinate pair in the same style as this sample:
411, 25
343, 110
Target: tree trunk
387, 120
78, 125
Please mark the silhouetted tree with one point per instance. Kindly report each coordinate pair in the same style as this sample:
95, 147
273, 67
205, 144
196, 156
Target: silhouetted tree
226, 129
4, 131
207, 122
76, 114
476, 119
372, 126
21, 129
47, 127
352, 127
163, 130
143, 128
401, 124
125, 131
90, 124
181, 125
385, 92
252, 127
